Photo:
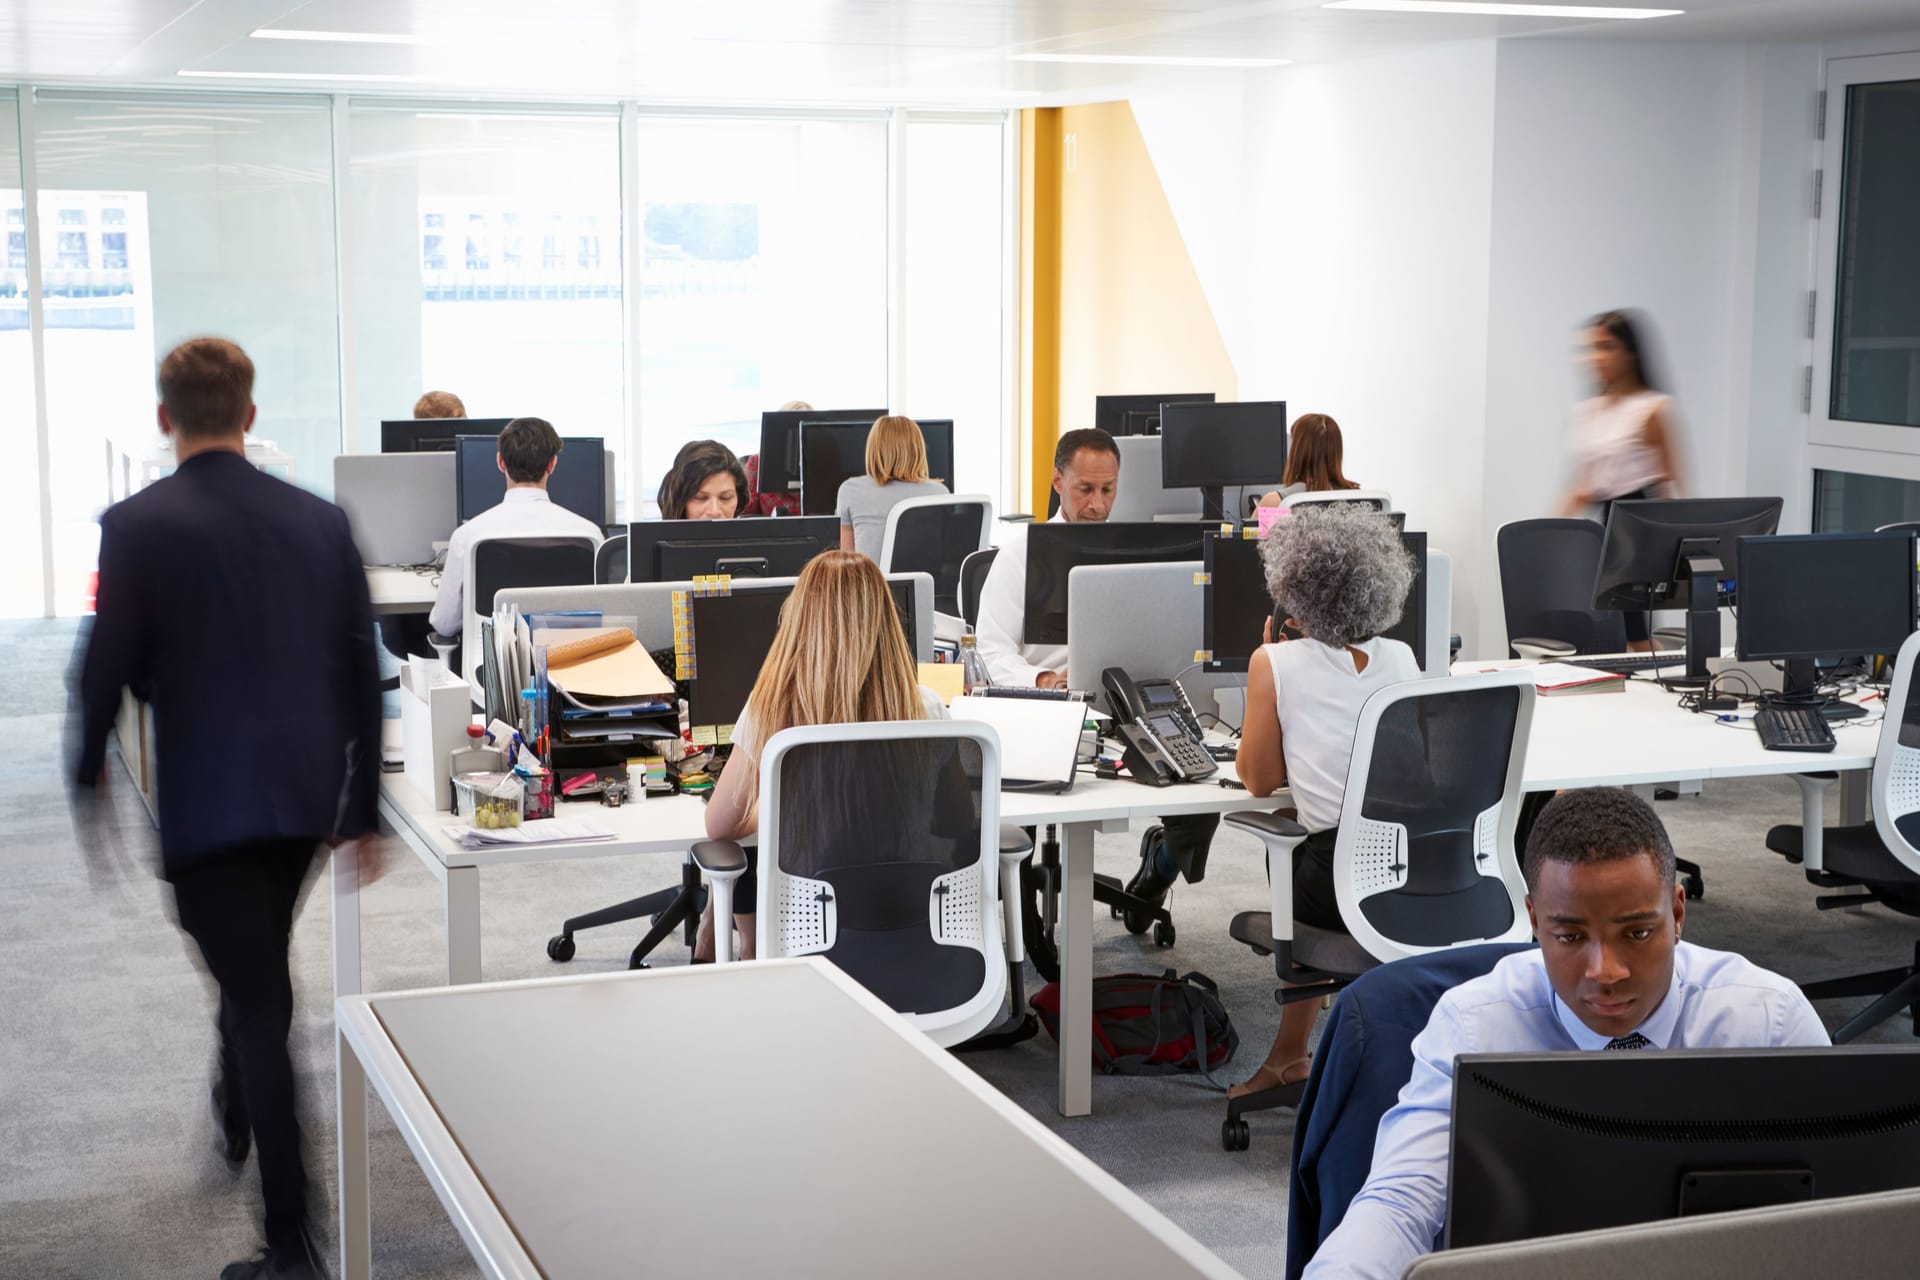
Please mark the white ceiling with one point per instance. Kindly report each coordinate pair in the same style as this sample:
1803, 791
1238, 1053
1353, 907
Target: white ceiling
850, 51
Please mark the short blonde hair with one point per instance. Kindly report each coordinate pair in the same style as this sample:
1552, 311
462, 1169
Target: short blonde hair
896, 450
439, 404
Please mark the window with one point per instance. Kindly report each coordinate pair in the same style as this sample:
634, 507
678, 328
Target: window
510, 331
1844, 502
21, 581
1876, 330
226, 213
763, 274
111, 217
113, 250
71, 250
17, 253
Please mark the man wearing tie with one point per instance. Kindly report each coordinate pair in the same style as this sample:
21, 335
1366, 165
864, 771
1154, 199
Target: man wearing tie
1610, 974
234, 604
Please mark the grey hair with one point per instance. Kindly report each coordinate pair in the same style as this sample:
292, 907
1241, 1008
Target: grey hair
1339, 570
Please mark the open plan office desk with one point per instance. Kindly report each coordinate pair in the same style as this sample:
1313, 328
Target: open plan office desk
396, 589
592, 1126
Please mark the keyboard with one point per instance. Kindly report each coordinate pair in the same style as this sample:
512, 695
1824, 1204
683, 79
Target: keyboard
1793, 729
1045, 695
1626, 664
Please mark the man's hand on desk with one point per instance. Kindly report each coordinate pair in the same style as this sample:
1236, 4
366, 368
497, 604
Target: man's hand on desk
371, 853
1051, 680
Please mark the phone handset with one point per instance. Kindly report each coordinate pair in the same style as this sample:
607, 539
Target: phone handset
1161, 737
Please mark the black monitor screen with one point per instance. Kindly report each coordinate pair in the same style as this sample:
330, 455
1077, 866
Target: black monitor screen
578, 483
1555, 1142
1055, 550
433, 435
1223, 444
1644, 541
732, 635
1237, 606
1140, 415
1825, 595
749, 547
780, 442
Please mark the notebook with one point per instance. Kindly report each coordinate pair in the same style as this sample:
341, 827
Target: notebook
1039, 739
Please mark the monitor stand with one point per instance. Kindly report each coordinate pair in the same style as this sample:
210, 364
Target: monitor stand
1213, 502
1802, 678
1701, 570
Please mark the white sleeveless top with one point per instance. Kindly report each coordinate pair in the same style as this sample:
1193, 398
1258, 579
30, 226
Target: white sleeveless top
1609, 437
1318, 695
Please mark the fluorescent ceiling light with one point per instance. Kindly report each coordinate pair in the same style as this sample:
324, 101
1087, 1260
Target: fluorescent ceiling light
1147, 60
1503, 10
336, 37
293, 75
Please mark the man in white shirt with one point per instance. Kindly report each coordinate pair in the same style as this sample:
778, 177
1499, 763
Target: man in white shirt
529, 450
1610, 973
1086, 472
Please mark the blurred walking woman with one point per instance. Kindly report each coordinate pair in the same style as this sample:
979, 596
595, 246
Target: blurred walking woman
1623, 437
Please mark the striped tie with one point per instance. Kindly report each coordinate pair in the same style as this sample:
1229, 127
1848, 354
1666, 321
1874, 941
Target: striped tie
1633, 1041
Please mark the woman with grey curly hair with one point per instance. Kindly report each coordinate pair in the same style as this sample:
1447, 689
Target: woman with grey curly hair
1340, 577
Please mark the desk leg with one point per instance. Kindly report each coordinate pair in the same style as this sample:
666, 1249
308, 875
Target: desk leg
346, 920
1853, 796
463, 925
1075, 938
356, 1230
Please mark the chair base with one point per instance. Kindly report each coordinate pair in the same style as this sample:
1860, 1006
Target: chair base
668, 909
1040, 900
1897, 989
1235, 1134
1690, 876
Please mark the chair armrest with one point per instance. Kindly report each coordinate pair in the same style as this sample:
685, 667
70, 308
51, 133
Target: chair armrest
1542, 647
720, 858
1267, 825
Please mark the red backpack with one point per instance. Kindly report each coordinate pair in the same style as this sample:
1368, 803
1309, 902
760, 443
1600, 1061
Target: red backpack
1152, 1025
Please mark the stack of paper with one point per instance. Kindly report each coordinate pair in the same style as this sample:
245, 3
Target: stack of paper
1553, 679
609, 689
544, 831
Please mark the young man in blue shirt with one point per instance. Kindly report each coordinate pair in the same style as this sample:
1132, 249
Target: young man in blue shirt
1610, 973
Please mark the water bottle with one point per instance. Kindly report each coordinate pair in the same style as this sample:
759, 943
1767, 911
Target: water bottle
973, 668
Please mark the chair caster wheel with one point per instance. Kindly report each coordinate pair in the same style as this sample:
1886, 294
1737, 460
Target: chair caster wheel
1113, 913
1235, 1135
1135, 922
560, 948
1163, 934
1696, 887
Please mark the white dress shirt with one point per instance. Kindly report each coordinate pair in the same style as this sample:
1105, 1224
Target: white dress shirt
526, 511
1718, 1000
1000, 633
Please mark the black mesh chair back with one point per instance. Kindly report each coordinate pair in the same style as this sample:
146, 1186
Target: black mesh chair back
499, 563
878, 866
1432, 801
1547, 568
935, 538
610, 561
973, 576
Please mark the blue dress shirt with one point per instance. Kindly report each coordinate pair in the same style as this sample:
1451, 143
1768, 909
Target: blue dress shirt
1718, 1000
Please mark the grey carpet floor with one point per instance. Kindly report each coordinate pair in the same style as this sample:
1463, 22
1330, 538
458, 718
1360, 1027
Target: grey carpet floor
106, 1159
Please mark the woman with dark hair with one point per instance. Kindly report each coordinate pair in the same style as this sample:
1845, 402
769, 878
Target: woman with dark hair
707, 483
1623, 437
1315, 453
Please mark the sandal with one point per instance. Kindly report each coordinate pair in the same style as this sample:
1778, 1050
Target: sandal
1270, 1076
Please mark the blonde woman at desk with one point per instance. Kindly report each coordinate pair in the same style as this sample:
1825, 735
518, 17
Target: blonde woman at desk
839, 657
896, 471
1341, 577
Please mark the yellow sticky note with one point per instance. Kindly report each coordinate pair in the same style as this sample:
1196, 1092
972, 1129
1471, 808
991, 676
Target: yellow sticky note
705, 735
1202, 579
1203, 655
1226, 530
948, 679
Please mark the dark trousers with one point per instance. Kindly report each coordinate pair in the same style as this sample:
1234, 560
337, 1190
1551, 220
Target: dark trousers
238, 907
1189, 837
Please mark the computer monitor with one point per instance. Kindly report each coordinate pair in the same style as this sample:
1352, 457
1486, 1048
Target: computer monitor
1140, 415
1671, 553
749, 547
1833, 596
578, 483
1210, 446
731, 636
1547, 1143
780, 442
1235, 604
831, 453
1055, 550
433, 435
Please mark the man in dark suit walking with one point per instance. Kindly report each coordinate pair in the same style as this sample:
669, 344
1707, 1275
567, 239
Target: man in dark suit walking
234, 604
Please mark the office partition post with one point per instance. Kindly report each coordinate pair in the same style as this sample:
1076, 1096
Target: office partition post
1076, 971
463, 925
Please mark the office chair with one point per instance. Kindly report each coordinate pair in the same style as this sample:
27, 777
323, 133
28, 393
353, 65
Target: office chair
1378, 499
973, 577
880, 850
1547, 569
935, 536
610, 561
494, 564
1425, 857
1364, 1058
1881, 857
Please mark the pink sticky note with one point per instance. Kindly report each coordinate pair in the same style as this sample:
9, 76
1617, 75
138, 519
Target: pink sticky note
1267, 515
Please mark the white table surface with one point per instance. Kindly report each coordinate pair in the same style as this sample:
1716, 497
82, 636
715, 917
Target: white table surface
401, 590
634, 1124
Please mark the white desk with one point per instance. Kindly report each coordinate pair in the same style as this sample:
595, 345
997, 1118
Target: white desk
398, 590
591, 1126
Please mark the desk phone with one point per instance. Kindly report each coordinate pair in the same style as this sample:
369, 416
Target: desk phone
1163, 742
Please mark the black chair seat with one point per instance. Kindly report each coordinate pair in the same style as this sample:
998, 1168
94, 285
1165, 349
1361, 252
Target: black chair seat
907, 969
1481, 910
1322, 950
